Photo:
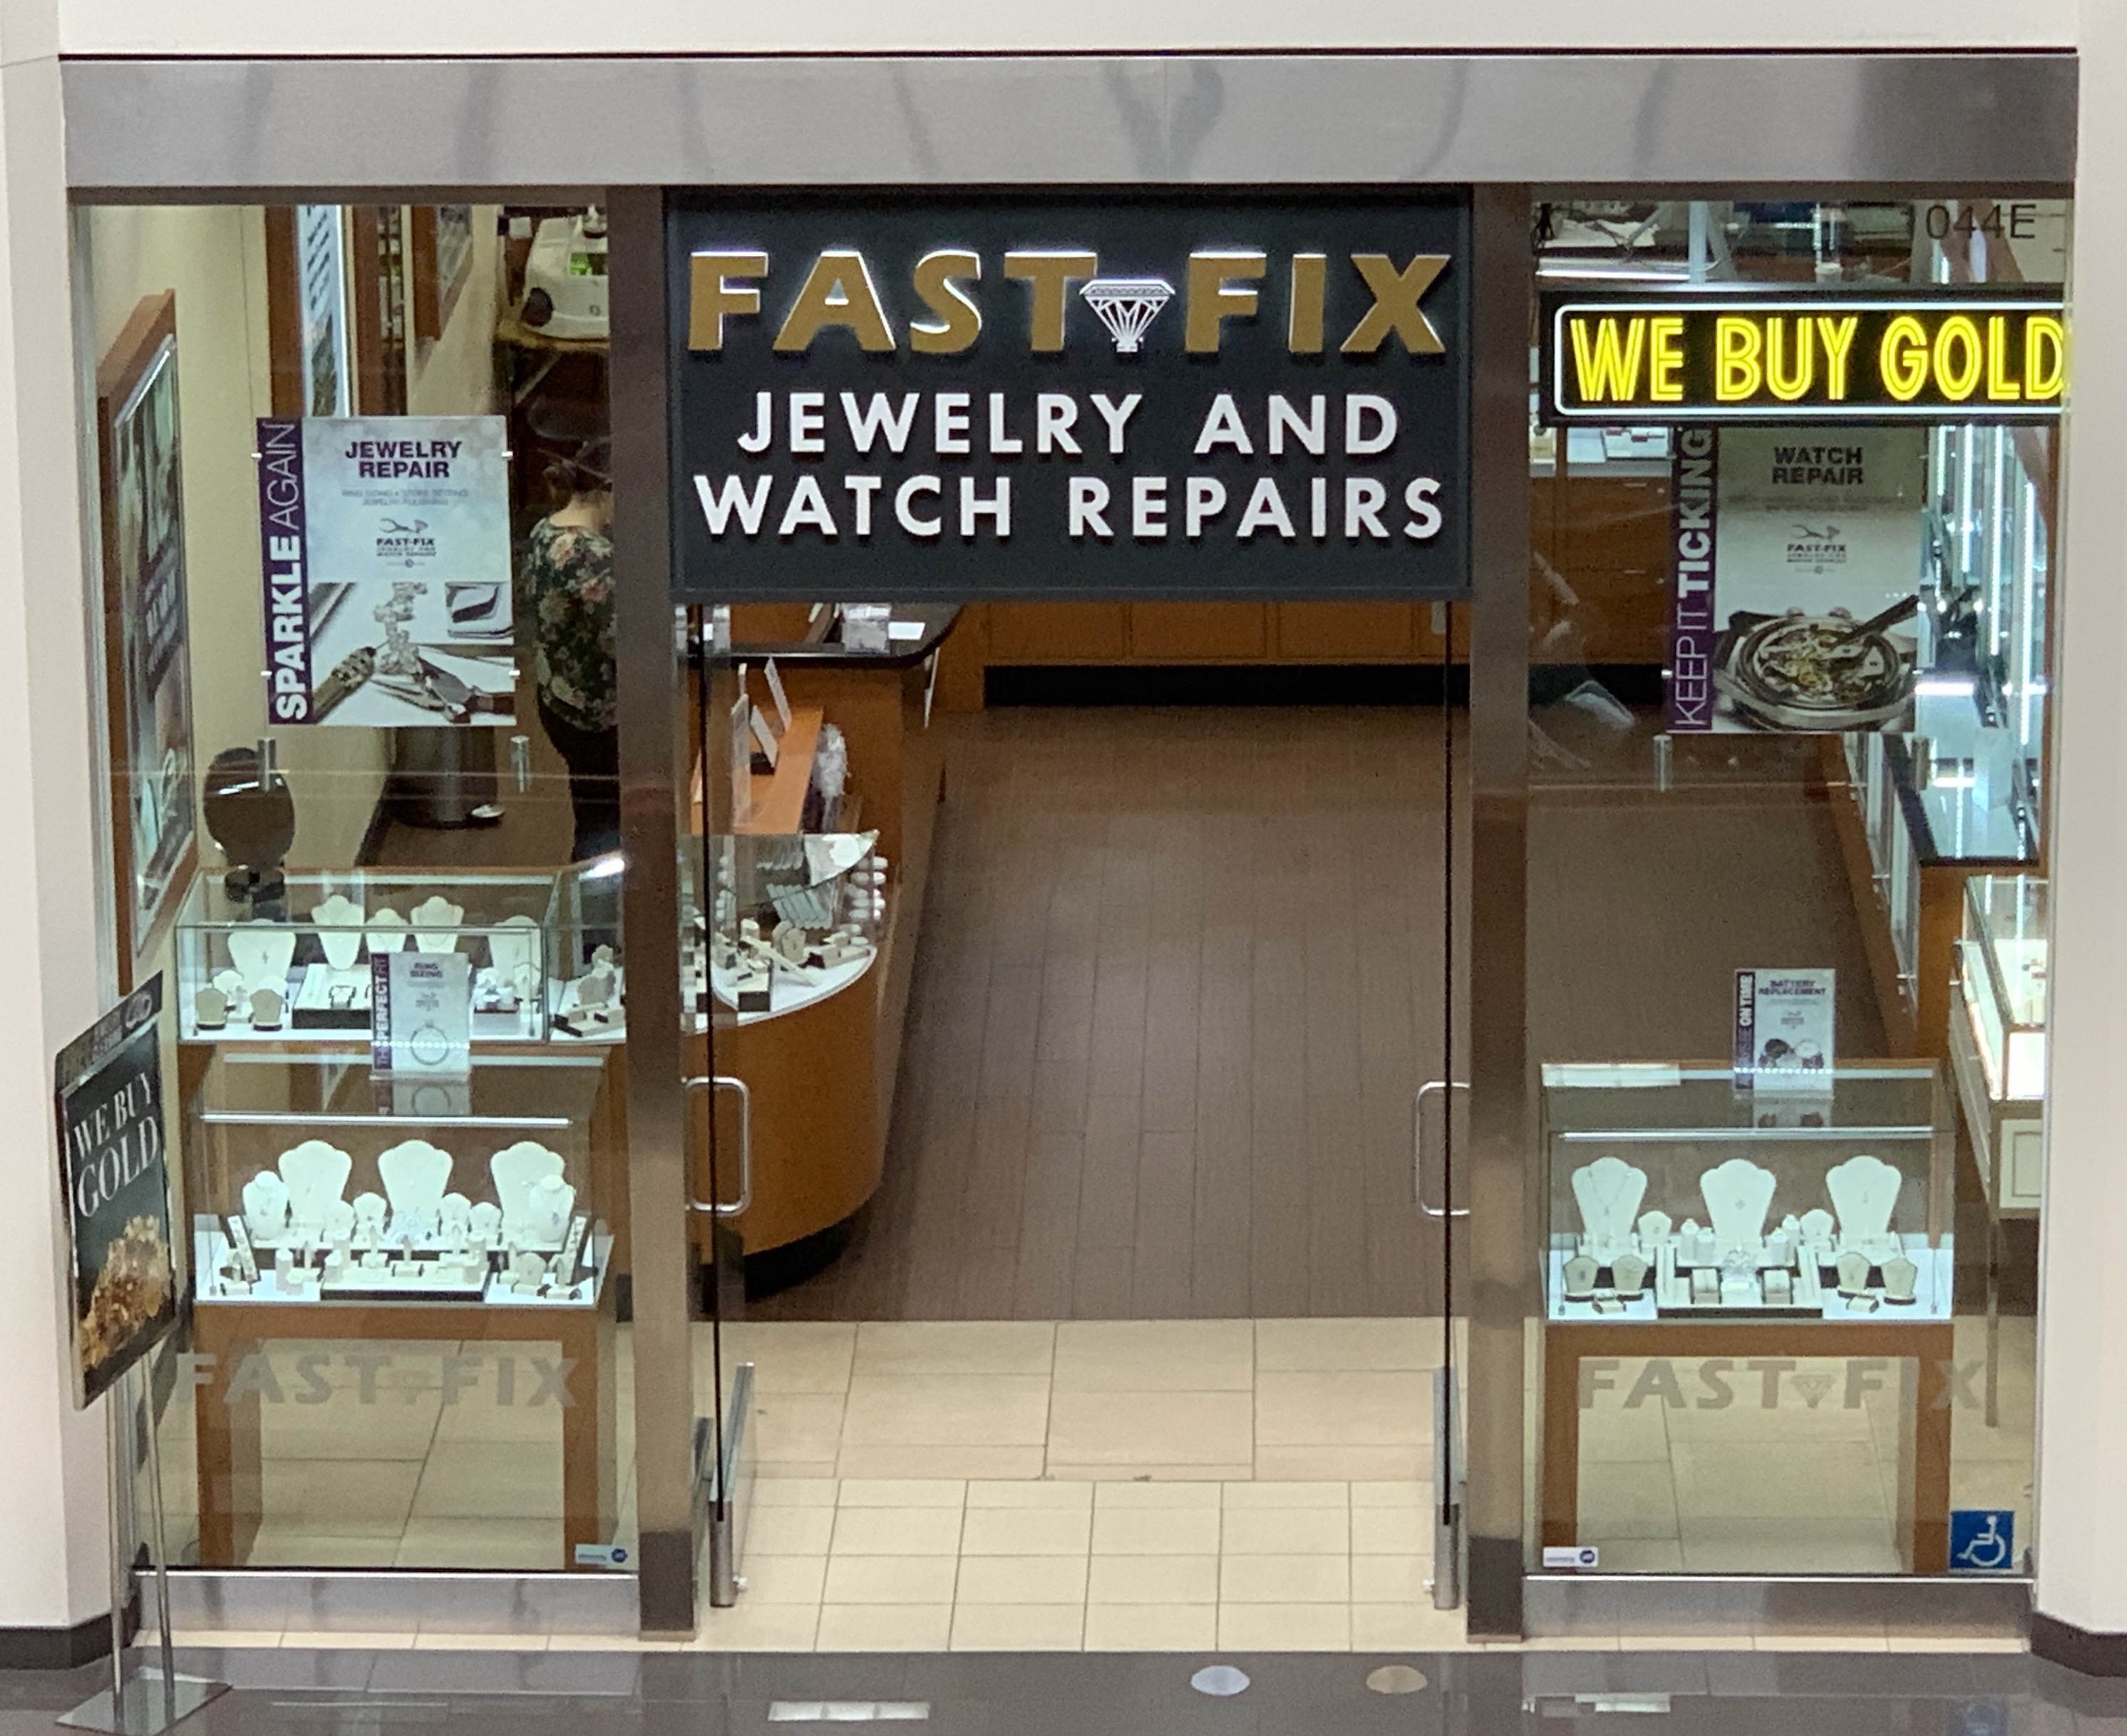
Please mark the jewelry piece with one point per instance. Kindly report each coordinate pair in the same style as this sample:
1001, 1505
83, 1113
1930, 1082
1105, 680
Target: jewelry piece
1900, 1278
1853, 1273
316, 1175
269, 1008
265, 1207
210, 1008
1629, 1272
485, 1224
438, 915
387, 932
517, 1170
1738, 1195
1608, 1192
415, 1175
1654, 1227
1579, 1278
262, 953
369, 1210
1864, 1193
339, 922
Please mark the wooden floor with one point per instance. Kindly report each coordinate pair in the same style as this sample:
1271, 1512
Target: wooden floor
1181, 980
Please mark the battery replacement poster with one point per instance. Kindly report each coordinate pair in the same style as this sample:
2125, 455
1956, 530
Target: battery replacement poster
385, 550
1796, 559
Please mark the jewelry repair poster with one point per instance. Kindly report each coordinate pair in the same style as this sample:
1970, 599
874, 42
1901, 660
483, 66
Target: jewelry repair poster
384, 545
114, 1163
1795, 558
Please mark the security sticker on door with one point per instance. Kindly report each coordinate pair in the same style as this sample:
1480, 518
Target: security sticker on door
1575, 1555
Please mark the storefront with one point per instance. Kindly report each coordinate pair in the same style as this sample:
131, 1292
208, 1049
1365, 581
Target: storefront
565, 614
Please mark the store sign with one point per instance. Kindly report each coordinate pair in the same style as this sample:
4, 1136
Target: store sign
1963, 355
1069, 397
114, 1165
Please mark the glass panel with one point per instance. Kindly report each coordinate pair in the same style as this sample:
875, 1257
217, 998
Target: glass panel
1806, 1344
355, 599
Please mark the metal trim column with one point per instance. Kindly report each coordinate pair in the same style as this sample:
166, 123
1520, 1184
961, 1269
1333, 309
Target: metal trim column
1500, 1247
660, 1260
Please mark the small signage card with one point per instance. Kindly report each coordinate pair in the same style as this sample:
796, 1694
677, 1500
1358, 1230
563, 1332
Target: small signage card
114, 1166
1784, 1030
421, 1014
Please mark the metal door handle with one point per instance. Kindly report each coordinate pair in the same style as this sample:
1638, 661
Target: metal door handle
726, 1082
1445, 1088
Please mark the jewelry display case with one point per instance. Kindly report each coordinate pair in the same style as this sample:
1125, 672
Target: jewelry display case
1998, 1036
798, 918
460, 1227
1674, 1195
293, 964
1692, 1227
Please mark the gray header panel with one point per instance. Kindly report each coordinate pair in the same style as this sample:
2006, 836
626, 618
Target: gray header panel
1713, 119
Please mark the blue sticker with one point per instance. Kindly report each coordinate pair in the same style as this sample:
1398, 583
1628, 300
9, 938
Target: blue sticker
1983, 1539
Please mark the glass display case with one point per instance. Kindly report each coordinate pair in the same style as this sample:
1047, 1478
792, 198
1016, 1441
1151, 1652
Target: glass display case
798, 917
293, 964
1998, 1034
1673, 1195
309, 1180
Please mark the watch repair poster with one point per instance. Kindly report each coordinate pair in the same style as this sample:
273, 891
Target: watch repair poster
384, 545
114, 1164
1795, 562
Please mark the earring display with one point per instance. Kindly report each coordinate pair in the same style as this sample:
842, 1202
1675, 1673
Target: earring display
1727, 1215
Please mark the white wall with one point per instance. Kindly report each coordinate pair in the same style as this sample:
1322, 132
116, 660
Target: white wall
2082, 1392
689, 26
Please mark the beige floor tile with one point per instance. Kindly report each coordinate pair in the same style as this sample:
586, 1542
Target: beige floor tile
889, 1347
1223, 1470
1622, 1499
1156, 1530
1285, 1627
946, 1410
1608, 1431
277, 1546
1153, 1579
477, 1417
902, 1492
491, 1480
445, 1641
1021, 1579
1415, 1626
1151, 1627
1820, 1643
782, 1578
1640, 1555
1018, 1627
884, 1627
896, 1531
1155, 1356
1112, 1496
1391, 1578
1143, 1429
1392, 1530
964, 1463
795, 1491
1789, 1546
1829, 1478
788, 1355
1036, 1493
759, 1627
341, 1498
1343, 1463
774, 1531
1991, 1642
531, 1546
1315, 1345
1026, 1531
1572, 1642
1235, 1497
796, 1470
326, 1641
232, 1639
1323, 1530
1285, 1579
1344, 1408
914, 1579
1406, 1493
797, 1428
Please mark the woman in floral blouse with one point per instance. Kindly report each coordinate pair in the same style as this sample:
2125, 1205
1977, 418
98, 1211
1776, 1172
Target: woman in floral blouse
565, 593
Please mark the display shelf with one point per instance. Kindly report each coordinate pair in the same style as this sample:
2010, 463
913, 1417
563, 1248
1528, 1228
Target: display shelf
1998, 1037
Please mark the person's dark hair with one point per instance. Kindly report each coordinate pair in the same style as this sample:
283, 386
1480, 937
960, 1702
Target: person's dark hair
585, 471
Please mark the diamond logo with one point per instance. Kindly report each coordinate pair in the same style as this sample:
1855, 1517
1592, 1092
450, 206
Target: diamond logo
1127, 306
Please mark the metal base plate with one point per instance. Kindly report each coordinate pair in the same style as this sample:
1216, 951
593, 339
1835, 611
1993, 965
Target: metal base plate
147, 1705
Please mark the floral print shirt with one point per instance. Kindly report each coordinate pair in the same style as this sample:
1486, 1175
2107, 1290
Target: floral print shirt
566, 584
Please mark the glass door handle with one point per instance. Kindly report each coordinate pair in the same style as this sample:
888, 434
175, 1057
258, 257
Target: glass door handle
726, 1082
1445, 1089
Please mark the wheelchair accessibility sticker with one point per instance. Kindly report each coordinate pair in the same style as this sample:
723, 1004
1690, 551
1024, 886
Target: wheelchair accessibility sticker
1981, 1540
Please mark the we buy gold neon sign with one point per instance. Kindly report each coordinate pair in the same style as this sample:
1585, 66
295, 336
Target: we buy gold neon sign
1691, 356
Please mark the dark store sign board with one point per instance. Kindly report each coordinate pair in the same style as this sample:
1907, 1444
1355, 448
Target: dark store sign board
1964, 353
1154, 397
114, 1164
